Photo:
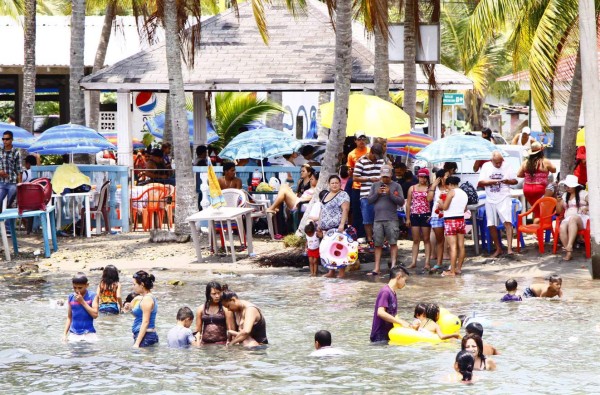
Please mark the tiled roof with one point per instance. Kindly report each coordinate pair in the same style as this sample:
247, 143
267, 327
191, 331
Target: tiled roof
232, 57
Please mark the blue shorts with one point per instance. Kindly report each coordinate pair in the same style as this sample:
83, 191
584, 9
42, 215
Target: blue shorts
150, 339
368, 211
436, 222
109, 308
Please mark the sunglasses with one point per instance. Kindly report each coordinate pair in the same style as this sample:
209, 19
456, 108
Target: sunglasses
6, 139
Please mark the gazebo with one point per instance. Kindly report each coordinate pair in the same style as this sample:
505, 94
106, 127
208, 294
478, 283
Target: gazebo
300, 56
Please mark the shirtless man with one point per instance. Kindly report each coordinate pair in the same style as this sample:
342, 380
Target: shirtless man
229, 180
554, 288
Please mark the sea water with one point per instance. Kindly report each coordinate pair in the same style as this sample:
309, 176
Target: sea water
547, 345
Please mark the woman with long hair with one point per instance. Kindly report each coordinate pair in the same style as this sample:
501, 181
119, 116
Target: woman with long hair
574, 204
213, 320
473, 344
418, 216
144, 308
109, 291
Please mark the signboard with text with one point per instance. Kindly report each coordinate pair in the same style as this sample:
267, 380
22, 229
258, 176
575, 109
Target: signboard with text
453, 99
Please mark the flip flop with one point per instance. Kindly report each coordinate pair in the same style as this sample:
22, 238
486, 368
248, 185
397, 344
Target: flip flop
373, 273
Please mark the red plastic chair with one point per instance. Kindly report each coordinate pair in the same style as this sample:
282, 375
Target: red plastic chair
47, 185
547, 209
30, 197
152, 201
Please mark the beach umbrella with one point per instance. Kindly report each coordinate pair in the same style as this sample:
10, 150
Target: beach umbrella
21, 137
580, 142
371, 116
70, 139
404, 152
259, 144
457, 147
156, 128
412, 140
113, 137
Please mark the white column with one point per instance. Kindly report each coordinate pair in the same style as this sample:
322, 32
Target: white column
87, 106
199, 101
435, 114
124, 137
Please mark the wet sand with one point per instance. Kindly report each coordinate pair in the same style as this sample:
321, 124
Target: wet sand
134, 251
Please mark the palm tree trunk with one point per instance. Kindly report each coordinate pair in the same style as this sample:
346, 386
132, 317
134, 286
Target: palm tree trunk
168, 130
382, 63
591, 109
27, 105
76, 102
569, 136
411, 15
99, 62
185, 190
343, 74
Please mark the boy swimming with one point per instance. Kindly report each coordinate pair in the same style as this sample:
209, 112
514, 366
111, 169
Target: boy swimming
511, 289
82, 310
552, 289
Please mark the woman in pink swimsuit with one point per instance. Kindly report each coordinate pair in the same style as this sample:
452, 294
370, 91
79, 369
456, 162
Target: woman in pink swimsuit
535, 170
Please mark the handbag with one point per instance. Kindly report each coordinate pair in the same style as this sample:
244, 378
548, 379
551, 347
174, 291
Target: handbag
472, 196
315, 211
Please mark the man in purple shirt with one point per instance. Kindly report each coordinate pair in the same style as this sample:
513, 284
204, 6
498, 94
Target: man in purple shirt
386, 305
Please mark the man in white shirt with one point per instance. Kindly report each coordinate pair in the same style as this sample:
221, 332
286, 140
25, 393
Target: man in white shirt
495, 177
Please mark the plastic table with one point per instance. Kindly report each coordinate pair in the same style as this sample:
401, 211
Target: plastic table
11, 214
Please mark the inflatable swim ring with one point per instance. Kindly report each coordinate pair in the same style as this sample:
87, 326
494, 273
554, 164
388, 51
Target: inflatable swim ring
337, 250
448, 322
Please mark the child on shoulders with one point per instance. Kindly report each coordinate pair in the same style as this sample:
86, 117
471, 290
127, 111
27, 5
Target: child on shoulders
312, 247
552, 289
82, 310
511, 289
181, 336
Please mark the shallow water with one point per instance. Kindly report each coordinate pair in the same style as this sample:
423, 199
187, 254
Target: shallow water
547, 345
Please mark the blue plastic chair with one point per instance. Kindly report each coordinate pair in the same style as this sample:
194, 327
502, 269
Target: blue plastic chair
516, 210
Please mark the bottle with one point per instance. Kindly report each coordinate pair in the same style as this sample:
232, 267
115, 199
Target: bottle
256, 177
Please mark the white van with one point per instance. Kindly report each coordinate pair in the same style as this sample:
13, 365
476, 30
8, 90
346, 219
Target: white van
515, 158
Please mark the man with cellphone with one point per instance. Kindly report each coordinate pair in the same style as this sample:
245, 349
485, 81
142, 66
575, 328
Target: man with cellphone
385, 195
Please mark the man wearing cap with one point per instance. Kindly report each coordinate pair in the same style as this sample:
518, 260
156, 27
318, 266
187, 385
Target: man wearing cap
495, 177
523, 139
368, 171
10, 169
385, 196
353, 157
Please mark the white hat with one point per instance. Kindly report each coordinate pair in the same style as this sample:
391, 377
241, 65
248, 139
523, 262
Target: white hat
526, 130
571, 181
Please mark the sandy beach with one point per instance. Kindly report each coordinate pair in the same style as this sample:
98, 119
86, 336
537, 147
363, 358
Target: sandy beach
133, 251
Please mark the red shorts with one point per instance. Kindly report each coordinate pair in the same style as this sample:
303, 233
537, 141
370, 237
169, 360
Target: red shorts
454, 226
313, 253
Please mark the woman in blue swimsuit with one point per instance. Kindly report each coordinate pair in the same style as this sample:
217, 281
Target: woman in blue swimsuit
144, 308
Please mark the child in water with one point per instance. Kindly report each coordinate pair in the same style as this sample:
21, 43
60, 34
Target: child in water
511, 289
427, 321
82, 310
312, 247
181, 336
109, 291
552, 289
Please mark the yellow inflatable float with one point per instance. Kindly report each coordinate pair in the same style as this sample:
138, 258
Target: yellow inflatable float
448, 322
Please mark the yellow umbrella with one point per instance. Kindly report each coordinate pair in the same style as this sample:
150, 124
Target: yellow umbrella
580, 142
370, 115
214, 189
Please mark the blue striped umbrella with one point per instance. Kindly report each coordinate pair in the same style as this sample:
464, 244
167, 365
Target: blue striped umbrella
457, 147
70, 139
156, 127
259, 144
21, 137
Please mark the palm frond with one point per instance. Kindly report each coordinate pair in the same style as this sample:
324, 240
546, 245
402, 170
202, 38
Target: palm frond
488, 17
13, 8
551, 35
258, 9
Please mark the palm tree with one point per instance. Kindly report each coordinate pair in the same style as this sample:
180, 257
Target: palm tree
411, 26
234, 110
542, 32
76, 70
28, 101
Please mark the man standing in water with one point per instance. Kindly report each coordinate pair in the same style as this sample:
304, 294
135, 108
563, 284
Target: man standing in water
386, 306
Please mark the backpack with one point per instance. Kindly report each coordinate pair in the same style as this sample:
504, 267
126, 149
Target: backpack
471, 192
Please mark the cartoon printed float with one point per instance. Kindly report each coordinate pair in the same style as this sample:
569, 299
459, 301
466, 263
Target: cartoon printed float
337, 250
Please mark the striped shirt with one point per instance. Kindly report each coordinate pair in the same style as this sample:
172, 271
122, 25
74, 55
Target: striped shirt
365, 168
10, 162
